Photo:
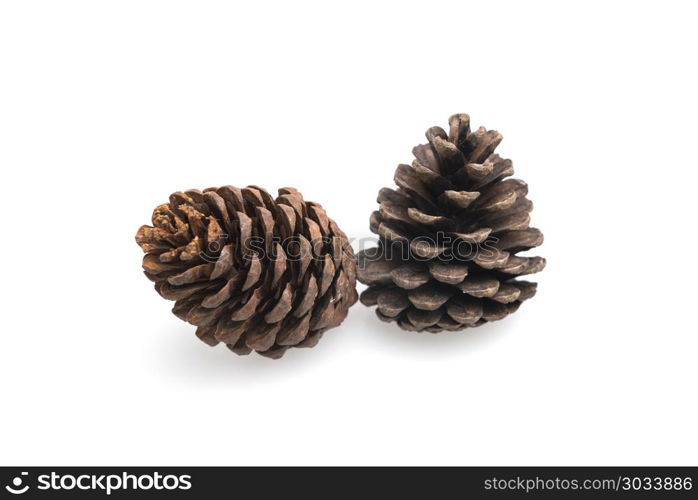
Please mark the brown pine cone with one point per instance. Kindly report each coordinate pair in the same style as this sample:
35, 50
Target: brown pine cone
251, 271
449, 235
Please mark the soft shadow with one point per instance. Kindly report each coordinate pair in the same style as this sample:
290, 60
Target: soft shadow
179, 353
424, 344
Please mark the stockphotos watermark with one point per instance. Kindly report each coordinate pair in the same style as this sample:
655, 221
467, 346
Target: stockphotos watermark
441, 245
106, 483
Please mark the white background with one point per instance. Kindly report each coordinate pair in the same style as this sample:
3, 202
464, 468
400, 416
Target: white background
108, 107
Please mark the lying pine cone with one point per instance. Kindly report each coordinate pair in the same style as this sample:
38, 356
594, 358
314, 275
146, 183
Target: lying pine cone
449, 236
251, 271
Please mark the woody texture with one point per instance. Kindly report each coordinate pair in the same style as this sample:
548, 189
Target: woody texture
251, 271
450, 235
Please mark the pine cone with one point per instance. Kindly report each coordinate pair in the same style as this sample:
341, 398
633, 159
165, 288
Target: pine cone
449, 236
251, 271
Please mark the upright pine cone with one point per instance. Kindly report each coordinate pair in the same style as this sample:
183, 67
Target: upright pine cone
449, 236
251, 271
